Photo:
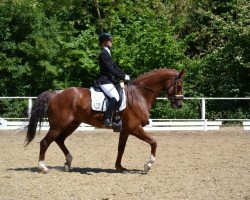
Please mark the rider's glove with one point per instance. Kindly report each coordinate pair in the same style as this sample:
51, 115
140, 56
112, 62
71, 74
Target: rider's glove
127, 78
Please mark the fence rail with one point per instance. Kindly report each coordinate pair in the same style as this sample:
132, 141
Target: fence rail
155, 124
182, 125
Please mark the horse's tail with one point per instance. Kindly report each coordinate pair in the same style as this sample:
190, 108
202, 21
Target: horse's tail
38, 112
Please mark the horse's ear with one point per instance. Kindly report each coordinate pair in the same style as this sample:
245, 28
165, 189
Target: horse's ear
181, 74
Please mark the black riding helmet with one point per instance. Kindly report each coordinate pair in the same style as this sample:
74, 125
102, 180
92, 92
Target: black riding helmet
103, 37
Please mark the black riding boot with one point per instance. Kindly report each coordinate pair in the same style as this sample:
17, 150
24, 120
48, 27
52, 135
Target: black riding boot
108, 114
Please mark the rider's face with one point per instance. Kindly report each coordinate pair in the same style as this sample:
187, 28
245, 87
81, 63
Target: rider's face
109, 43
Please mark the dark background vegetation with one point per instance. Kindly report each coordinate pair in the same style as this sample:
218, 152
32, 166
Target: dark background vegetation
53, 44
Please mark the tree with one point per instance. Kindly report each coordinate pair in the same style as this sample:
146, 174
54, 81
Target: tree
43, 48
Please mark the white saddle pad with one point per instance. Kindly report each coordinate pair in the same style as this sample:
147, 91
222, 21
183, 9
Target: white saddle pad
99, 101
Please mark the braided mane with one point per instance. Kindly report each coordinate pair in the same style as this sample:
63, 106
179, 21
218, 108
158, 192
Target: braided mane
152, 72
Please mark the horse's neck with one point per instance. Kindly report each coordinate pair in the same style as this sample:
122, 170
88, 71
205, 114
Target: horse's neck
147, 88
155, 81
152, 85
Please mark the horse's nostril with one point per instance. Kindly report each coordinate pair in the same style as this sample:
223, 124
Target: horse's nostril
179, 106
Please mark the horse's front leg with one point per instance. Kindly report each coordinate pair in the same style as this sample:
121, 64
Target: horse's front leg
121, 147
141, 134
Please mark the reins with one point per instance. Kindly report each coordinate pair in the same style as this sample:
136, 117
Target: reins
130, 90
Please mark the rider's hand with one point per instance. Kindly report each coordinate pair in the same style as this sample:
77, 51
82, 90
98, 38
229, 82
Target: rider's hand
127, 78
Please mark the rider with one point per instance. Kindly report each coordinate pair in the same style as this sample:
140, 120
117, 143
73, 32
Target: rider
108, 73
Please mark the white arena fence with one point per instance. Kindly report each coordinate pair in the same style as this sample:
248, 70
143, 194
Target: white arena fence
154, 124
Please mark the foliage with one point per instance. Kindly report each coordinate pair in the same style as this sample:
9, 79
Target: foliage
190, 110
228, 109
43, 48
13, 108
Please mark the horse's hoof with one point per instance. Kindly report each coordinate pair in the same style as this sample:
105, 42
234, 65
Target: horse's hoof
125, 171
67, 167
147, 167
121, 169
43, 170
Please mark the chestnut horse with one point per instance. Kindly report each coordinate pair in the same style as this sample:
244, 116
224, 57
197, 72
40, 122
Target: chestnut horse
67, 109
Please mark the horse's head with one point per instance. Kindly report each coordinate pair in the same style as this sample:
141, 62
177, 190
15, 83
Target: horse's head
174, 90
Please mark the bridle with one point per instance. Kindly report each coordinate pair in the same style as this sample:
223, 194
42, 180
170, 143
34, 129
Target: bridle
175, 96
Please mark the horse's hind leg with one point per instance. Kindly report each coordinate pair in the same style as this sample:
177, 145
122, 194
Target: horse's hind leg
60, 140
44, 144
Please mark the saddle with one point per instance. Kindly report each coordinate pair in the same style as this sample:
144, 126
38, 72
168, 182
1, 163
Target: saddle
100, 101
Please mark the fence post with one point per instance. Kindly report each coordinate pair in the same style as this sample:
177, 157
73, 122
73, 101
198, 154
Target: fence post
203, 113
203, 109
29, 106
205, 124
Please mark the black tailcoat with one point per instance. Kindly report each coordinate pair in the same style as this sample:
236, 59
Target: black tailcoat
109, 72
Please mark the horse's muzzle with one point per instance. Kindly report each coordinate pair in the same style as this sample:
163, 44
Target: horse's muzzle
177, 101
176, 104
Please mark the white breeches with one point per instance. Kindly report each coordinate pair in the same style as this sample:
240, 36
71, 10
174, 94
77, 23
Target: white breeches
110, 90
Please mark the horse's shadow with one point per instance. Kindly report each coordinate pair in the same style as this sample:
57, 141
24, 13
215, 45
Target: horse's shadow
85, 170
